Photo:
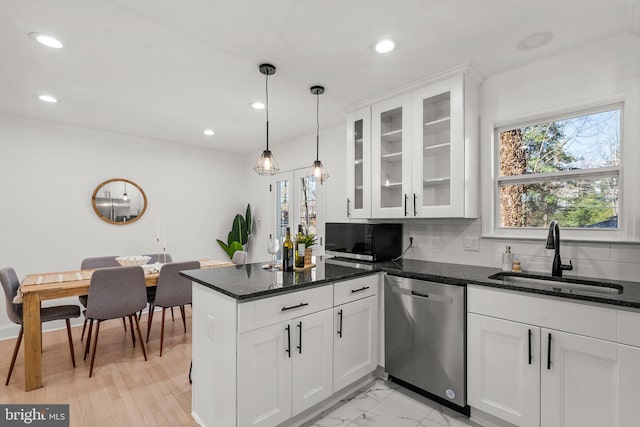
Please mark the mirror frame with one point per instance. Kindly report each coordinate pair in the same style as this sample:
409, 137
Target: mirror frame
104, 218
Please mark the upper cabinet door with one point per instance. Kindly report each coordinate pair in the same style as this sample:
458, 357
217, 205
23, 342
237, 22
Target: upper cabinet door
439, 150
391, 158
359, 164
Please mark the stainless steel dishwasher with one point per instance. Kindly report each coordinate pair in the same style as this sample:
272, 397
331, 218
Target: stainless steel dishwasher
425, 344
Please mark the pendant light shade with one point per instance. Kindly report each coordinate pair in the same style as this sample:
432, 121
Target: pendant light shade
267, 164
317, 169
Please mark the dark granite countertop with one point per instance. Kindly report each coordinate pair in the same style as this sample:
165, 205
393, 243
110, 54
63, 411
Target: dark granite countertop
250, 281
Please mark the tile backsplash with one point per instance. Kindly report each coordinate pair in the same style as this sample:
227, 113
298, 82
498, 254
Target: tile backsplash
442, 241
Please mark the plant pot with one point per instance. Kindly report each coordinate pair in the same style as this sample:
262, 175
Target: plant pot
307, 256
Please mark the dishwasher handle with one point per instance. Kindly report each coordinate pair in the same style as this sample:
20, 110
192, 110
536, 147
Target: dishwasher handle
430, 296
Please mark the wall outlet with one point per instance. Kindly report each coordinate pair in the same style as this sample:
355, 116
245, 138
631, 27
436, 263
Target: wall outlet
470, 243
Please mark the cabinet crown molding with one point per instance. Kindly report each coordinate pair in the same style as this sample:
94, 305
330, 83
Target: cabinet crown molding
466, 69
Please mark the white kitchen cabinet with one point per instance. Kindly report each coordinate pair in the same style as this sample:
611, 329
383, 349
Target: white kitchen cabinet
579, 381
579, 375
285, 369
359, 164
424, 156
391, 157
504, 369
355, 341
445, 153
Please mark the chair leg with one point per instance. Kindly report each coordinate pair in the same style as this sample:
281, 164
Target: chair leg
73, 353
172, 318
133, 337
88, 343
149, 320
95, 346
124, 322
190, 368
162, 331
84, 326
15, 354
140, 338
184, 319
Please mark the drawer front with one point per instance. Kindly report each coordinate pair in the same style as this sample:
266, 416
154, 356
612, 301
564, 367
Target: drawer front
295, 304
548, 312
355, 289
629, 327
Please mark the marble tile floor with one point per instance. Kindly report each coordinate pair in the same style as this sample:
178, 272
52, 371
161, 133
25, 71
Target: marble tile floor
386, 404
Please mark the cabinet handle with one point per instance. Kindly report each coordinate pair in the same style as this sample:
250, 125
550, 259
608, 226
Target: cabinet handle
340, 327
302, 304
348, 201
549, 353
288, 350
530, 333
364, 288
415, 211
406, 197
299, 337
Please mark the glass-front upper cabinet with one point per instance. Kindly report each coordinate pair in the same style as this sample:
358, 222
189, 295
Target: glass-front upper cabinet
391, 158
359, 164
442, 164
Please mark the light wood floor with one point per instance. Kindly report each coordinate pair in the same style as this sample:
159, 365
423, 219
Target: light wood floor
124, 390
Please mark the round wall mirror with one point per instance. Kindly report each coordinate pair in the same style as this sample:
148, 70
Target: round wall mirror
119, 201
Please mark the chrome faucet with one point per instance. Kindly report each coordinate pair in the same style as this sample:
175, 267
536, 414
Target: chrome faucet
553, 242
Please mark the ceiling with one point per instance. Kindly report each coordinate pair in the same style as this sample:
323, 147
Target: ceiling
166, 69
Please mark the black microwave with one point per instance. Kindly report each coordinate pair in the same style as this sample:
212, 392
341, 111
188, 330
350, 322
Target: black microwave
367, 242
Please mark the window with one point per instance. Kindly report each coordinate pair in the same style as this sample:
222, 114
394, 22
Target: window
565, 169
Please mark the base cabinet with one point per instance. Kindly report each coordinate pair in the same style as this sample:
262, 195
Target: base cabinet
285, 369
354, 341
537, 376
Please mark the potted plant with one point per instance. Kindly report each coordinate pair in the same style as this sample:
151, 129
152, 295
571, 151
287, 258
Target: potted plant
238, 237
309, 240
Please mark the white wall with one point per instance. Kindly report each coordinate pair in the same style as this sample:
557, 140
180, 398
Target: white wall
48, 173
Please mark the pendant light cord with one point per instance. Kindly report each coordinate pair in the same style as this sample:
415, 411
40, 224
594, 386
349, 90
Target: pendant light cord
317, 126
266, 89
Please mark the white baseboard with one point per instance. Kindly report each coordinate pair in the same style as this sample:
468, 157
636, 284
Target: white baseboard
488, 420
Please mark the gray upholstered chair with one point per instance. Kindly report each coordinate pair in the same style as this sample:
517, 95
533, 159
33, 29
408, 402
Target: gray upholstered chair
151, 290
10, 284
113, 293
239, 257
91, 264
172, 290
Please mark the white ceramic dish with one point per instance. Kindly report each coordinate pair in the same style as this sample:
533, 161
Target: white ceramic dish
133, 260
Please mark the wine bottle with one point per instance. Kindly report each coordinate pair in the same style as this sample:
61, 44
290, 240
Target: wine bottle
287, 252
300, 248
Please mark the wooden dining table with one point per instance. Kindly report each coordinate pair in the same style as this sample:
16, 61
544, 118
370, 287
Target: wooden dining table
36, 288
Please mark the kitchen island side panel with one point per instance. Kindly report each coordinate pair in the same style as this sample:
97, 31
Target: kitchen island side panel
214, 358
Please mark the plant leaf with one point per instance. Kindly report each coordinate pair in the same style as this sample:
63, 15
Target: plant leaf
248, 218
226, 247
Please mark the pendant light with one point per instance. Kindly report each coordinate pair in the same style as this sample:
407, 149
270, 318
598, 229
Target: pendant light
318, 170
267, 164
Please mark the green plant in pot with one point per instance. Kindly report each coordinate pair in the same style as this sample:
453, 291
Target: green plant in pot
238, 237
309, 240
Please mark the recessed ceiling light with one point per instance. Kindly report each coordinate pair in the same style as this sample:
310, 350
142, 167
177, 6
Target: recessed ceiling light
534, 41
257, 105
208, 132
47, 98
385, 46
46, 40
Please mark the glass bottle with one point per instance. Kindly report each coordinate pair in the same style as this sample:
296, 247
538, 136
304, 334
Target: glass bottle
287, 252
507, 259
300, 248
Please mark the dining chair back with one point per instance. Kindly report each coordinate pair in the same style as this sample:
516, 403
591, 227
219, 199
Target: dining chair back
91, 264
113, 293
239, 257
172, 290
10, 285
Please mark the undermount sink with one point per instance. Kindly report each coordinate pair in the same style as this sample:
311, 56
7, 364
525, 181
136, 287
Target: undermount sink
558, 284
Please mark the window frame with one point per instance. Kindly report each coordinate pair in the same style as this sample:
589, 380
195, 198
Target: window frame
623, 233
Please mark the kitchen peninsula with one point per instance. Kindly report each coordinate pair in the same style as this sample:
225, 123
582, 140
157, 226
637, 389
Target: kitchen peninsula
269, 346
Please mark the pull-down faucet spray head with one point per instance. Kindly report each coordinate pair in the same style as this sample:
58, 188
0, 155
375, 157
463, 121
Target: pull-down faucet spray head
551, 236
